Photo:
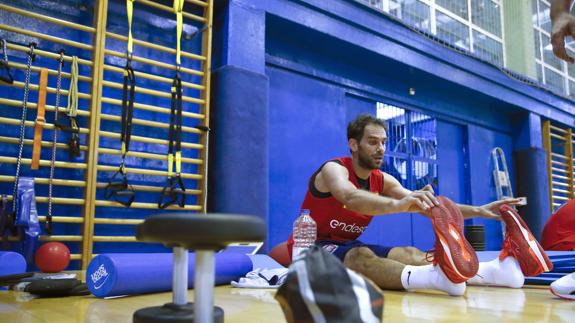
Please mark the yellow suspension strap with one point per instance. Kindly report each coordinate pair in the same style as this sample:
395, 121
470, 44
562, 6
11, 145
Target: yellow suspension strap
5, 74
118, 189
72, 126
175, 192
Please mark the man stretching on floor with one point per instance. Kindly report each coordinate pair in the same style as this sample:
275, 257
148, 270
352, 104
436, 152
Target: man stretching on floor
345, 193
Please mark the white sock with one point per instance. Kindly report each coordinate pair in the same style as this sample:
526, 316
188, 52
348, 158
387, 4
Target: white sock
505, 273
429, 277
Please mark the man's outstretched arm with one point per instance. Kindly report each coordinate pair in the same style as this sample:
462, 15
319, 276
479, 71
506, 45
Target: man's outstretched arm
488, 211
335, 178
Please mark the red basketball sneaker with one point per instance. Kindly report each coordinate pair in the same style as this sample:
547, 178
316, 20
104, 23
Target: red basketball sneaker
453, 253
520, 244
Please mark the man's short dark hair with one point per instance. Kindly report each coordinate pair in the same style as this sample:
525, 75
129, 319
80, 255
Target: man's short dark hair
355, 128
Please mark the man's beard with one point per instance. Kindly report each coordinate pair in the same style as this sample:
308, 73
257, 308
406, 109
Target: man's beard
367, 162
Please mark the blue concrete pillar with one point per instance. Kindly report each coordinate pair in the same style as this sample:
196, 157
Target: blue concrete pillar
481, 141
238, 169
530, 161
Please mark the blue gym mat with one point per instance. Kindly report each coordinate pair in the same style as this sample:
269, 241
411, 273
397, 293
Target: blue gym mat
565, 257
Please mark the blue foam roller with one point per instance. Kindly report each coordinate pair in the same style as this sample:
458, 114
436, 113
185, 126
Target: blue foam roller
139, 273
11, 263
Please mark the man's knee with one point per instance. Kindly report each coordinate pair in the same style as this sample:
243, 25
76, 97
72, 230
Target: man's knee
412, 251
407, 255
357, 258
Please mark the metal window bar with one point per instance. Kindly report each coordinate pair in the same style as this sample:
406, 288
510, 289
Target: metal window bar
411, 146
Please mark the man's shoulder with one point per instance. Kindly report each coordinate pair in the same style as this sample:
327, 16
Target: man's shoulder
333, 164
385, 175
339, 161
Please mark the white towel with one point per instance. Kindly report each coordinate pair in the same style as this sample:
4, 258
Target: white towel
262, 278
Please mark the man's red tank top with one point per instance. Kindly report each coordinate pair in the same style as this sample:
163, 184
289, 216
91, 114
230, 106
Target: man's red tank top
333, 220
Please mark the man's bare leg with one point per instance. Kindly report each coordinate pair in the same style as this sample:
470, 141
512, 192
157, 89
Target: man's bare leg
408, 256
385, 273
391, 274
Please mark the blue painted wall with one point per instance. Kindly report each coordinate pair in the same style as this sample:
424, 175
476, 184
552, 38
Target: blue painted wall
315, 91
481, 142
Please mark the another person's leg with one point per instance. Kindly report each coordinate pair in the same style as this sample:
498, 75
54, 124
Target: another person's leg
564, 287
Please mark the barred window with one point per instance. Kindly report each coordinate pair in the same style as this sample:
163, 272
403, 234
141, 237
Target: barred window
472, 25
411, 146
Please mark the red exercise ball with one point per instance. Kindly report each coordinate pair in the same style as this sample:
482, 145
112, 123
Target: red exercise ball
52, 257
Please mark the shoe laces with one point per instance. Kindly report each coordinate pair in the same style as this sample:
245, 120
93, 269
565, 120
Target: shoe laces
430, 255
507, 248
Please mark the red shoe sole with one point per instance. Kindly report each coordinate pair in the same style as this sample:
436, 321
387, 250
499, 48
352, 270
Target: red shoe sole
536, 252
459, 260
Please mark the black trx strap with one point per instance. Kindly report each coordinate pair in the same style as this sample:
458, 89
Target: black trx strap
48, 224
118, 189
174, 191
5, 74
72, 126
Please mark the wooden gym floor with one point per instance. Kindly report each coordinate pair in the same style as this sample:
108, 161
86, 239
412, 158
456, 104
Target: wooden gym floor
480, 304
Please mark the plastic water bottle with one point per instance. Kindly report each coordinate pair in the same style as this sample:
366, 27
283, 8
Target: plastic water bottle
304, 233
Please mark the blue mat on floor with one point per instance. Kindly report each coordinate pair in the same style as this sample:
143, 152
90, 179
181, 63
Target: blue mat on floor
566, 269
563, 263
543, 279
562, 257
539, 280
